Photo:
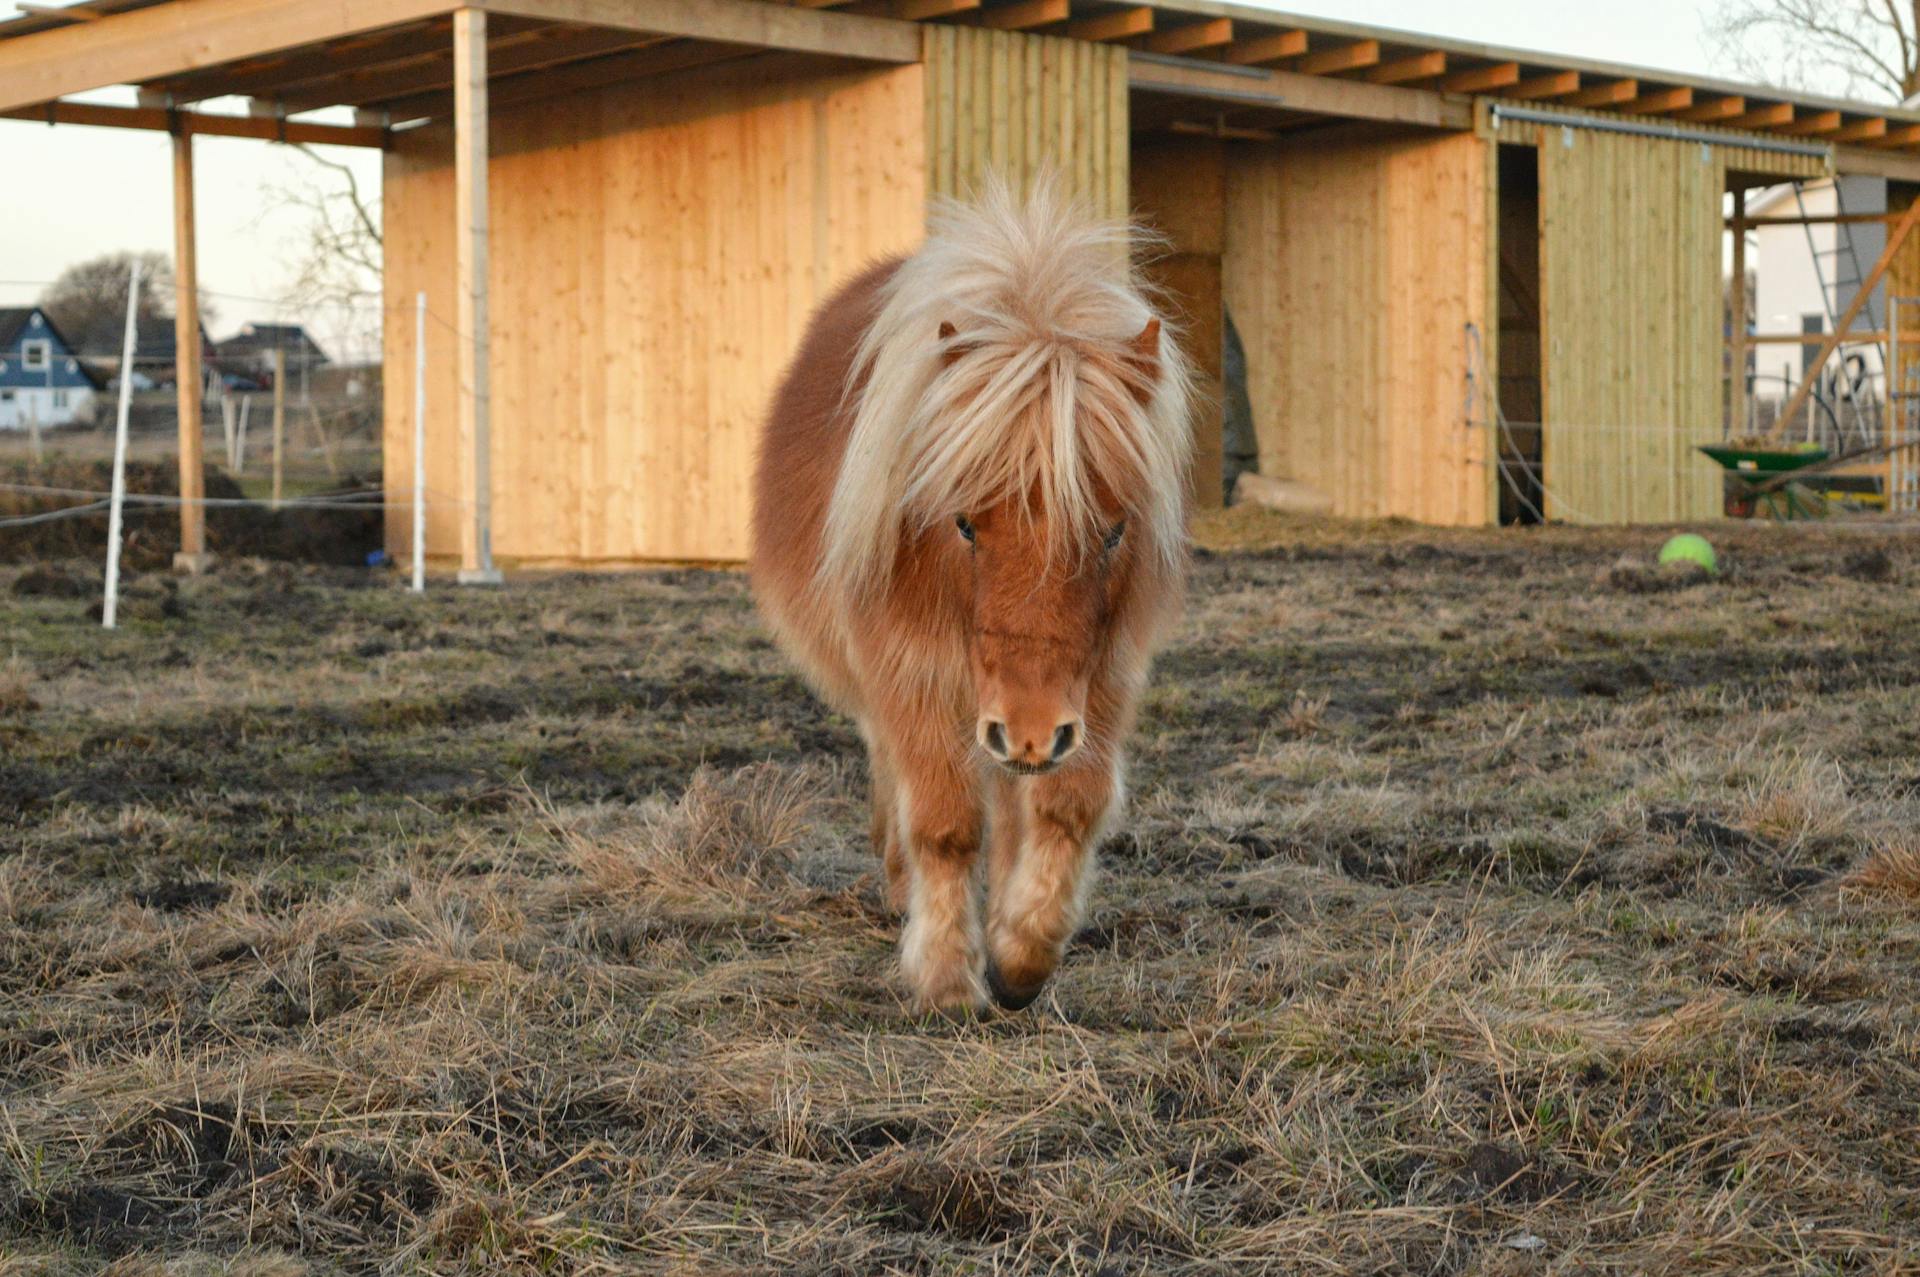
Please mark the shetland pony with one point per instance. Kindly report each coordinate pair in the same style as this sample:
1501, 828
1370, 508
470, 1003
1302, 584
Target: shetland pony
968, 530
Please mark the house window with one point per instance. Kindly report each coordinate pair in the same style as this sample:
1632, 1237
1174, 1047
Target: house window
59, 400
35, 356
6, 396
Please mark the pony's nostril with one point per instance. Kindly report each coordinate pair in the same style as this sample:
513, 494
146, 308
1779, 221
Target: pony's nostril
995, 739
1065, 737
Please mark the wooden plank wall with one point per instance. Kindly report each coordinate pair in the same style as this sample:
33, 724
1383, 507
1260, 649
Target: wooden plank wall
1179, 191
657, 250
1352, 269
1020, 105
1631, 373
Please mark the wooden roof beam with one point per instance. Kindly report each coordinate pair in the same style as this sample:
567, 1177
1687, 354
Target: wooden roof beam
279, 73
1421, 66
910, 10
1813, 125
1555, 84
1659, 102
506, 57
1770, 116
1289, 91
1191, 38
1612, 93
1121, 24
1904, 136
1272, 47
1718, 111
1348, 57
1025, 14
742, 22
144, 44
162, 121
1483, 79
1860, 131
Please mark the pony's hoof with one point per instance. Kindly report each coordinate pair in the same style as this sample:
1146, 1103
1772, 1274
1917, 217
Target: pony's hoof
1012, 997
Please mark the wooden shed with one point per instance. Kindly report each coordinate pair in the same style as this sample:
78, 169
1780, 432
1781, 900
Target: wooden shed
1471, 283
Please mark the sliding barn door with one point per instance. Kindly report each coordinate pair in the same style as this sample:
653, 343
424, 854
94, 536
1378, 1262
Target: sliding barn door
1630, 232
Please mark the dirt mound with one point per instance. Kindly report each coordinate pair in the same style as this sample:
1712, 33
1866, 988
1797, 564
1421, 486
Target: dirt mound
152, 532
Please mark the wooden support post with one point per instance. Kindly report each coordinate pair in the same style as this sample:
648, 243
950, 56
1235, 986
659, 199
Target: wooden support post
1895, 238
279, 419
470, 318
1737, 303
193, 556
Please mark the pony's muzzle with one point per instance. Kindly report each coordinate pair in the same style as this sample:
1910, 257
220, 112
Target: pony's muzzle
1029, 750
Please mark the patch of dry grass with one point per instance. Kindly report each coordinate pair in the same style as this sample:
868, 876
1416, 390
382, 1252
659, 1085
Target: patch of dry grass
1461, 926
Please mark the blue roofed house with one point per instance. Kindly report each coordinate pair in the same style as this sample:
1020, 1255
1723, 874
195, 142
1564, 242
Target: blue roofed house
41, 377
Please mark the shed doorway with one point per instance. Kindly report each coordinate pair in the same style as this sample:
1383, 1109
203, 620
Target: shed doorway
1517, 238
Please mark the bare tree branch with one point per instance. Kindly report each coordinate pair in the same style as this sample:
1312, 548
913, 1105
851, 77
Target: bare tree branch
1852, 47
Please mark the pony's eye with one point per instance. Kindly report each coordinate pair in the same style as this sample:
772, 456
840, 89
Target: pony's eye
966, 527
1115, 533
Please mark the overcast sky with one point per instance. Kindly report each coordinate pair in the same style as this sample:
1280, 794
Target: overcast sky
73, 192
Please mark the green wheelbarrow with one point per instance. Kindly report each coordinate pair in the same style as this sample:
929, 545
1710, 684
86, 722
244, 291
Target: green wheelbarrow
1752, 474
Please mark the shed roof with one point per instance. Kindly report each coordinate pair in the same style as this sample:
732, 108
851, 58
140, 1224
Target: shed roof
393, 58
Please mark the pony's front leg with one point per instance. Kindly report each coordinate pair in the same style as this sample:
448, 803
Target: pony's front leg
939, 824
1039, 888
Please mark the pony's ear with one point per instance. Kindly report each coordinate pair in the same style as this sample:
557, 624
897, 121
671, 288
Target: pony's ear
1143, 355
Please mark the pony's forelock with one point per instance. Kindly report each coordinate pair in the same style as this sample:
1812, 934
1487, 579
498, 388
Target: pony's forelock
1038, 392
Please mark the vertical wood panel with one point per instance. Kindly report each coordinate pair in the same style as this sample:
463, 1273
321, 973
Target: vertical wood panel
657, 251
1630, 279
1024, 105
1351, 272
1179, 190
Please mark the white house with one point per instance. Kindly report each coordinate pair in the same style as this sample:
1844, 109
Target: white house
1805, 277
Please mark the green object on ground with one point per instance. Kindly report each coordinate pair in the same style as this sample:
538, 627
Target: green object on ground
1689, 547
1766, 460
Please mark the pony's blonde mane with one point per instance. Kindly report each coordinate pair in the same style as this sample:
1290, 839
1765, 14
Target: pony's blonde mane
1039, 389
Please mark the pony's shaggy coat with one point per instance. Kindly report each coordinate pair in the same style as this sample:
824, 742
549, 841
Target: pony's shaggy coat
969, 530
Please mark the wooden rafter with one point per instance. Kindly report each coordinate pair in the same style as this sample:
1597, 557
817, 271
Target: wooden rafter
531, 51
1121, 24
1812, 125
1025, 14
1421, 66
1715, 111
1481, 79
1659, 102
1273, 47
1859, 131
1555, 84
659, 59
1348, 57
750, 22
1190, 38
201, 122
283, 72
140, 45
1612, 93
1770, 116
910, 10
1905, 135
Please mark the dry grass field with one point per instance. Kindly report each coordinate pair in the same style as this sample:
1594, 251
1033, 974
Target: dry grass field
1488, 906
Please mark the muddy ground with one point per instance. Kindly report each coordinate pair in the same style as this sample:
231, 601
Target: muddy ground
1491, 903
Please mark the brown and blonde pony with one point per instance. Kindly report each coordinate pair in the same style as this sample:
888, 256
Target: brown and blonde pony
968, 530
